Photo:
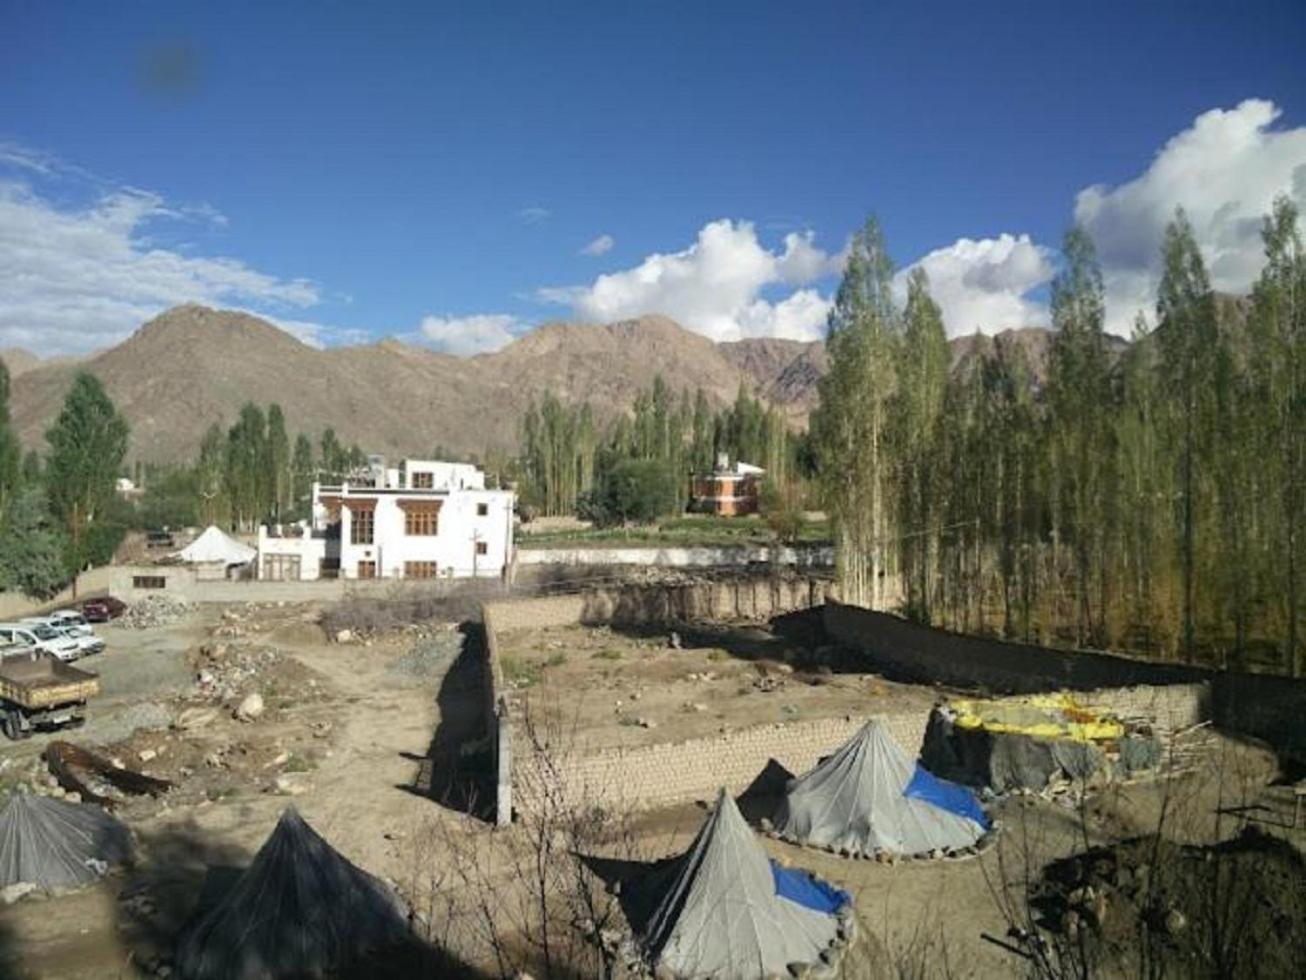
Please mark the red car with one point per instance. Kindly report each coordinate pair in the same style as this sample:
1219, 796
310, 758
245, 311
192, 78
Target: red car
103, 608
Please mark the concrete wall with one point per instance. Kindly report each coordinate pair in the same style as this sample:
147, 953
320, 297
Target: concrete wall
730, 557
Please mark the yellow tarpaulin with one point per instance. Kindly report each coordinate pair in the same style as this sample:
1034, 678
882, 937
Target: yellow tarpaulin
1041, 716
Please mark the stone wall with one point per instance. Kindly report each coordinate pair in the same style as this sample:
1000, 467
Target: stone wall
747, 599
728, 557
637, 777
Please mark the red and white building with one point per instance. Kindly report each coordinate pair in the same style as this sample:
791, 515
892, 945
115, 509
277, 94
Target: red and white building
422, 519
729, 490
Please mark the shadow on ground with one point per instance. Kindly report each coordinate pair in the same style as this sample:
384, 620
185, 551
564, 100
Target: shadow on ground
184, 872
457, 770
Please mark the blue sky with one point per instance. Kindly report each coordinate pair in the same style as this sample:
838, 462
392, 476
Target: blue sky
436, 171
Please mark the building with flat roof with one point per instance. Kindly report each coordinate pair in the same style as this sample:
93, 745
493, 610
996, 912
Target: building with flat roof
422, 519
728, 490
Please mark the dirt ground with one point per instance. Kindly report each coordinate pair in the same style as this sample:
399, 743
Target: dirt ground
636, 687
348, 731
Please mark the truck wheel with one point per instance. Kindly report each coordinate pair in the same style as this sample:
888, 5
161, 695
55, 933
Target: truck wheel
11, 725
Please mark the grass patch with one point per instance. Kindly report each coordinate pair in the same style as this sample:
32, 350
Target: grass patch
297, 763
607, 654
557, 660
521, 672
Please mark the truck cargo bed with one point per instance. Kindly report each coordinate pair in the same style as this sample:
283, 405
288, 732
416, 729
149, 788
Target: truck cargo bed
42, 681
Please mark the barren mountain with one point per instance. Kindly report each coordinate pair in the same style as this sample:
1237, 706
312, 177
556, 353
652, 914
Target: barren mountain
193, 366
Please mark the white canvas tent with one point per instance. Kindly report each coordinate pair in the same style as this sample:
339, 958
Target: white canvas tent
871, 796
215, 548
720, 913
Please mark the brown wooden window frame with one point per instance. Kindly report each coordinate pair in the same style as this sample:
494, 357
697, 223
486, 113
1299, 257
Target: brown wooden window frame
423, 481
370, 567
420, 569
362, 526
482, 510
149, 582
421, 522
482, 548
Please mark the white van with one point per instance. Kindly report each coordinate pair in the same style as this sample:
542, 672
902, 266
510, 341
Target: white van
43, 638
71, 620
85, 639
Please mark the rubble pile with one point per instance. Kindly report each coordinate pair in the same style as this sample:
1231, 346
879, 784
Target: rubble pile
1103, 899
231, 672
153, 611
430, 656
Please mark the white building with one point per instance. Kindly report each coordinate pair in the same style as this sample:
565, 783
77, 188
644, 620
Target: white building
423, 519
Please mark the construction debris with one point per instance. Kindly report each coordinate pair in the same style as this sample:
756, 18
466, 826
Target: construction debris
152, 612
94, 778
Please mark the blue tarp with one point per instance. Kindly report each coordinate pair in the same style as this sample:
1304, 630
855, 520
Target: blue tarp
948, 796
800, 887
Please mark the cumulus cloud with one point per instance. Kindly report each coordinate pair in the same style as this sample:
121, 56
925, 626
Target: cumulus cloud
76, 278
600, 246
716, 286
1225, 170
984, 285
464, 335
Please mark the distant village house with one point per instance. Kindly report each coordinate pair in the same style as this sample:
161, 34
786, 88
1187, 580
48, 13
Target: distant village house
727, 491
423, 519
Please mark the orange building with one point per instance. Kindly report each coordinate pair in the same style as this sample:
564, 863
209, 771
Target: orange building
728, 491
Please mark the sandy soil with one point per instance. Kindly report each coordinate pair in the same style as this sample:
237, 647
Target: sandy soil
635, 687
349, 737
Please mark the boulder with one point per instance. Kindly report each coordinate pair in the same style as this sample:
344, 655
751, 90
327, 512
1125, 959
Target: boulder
250, 708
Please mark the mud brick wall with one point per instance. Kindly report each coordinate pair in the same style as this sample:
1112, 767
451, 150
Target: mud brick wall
649, 776
754, 599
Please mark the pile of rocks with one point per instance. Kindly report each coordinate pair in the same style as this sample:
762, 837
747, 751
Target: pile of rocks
227, 671
153, 611
430, 656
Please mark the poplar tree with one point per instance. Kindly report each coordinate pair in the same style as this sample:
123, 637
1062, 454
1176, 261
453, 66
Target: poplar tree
850, 423
277, 455
1187, 335
87, 444
10, 451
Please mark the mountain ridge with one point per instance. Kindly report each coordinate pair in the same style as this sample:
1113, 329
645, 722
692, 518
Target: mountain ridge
192, 366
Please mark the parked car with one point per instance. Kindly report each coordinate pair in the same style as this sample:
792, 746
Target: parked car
84, 636
71, 619
103, 608
44, 639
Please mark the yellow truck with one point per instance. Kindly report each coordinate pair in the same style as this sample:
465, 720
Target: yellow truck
37, 689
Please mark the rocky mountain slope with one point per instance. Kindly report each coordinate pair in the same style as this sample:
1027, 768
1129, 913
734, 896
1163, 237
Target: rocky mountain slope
193, 366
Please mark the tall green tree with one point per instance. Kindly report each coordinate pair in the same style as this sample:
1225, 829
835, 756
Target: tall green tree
248, 481
1079, 402
917, 416
302, 471
1187, 335
87, 444
33, 547
10, 451
851, 421
277, 452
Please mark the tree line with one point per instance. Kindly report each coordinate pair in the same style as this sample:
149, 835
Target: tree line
1150, 500
638, 466
59, 512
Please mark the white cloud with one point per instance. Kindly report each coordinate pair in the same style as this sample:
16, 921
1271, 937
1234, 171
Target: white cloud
715, 286
476, 334
600, 246
984, 285
1225, 170
533, 215
77, 278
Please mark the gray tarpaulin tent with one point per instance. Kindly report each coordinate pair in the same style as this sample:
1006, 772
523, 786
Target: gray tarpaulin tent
55, 844
722, 915
300, 909
871, 796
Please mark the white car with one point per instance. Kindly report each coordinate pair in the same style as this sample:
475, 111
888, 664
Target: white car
43, 638
84, 637
71, 620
